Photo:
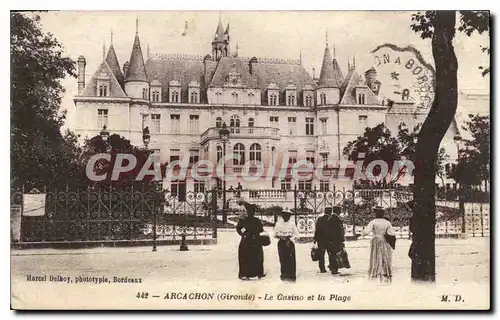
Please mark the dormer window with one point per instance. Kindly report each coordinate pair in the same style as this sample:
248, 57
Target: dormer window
291, 94
361, 98
175, 91
194, 92
103, 91
193, 97
308, 101
156, 96
273, 99
291, 100
272, 94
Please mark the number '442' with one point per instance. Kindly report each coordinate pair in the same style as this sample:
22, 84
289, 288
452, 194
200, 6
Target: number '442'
142, 295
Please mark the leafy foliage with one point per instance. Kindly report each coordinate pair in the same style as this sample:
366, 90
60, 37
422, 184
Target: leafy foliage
40, 154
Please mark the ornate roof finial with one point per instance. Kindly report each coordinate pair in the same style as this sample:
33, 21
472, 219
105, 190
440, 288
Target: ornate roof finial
137, 26
103, 50
334, 56
300, 57
111, 36
354, 61
237, 47
147, 56
348, 64
314, 73
326, 36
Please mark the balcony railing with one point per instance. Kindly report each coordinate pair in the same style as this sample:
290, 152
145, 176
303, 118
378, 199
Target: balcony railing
243, 132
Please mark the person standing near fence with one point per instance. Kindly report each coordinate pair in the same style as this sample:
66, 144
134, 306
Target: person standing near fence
323, 236
250, 252
337, 239
286, 231
380, 250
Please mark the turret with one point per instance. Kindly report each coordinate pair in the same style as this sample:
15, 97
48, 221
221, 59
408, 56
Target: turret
329, 81
220, 44
81, 73
136, 80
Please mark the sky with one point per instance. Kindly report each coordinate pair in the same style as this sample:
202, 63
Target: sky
275, 34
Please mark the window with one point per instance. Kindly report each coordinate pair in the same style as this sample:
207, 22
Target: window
194, 97
292, 128
102, 118
255, 152
145, 94
235, 97
156, 96
199, 186
174, 155
274, 122
291, 100
175, 96
234, 123
194, 123
273, 155
309, 126
363, 120
324, 158
103, 90
286, 184
155, 121
322, 98
251, 122
292, 156
310, 157
324, 186
273, 99
219, 153
218, 122
361, 98
323, 125
178, 189
308, 101
194, 156
239, 149
175, 119
305, 185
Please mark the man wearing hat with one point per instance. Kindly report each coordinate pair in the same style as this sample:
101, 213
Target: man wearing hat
329, 236
322, 238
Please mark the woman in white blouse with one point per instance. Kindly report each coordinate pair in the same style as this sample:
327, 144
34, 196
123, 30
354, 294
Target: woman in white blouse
286, 231
381, 251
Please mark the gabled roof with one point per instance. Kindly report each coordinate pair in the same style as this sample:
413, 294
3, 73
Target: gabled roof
137, 69
328, 78
228, 65
113, 63
348, 90
115, 89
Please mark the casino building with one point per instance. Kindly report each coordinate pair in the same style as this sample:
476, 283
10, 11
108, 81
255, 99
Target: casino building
274, 108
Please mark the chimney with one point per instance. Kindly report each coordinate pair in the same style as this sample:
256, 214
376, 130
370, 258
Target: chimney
81, 73
371, 77
125, 68
251, 65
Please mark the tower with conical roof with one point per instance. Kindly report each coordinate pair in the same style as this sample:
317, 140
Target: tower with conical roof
329, 80
136, 79
113, 63
220, 44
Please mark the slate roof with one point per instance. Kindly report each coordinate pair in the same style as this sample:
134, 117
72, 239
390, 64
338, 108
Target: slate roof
115, 88
328, 78
114, 65
348, 90
227, 65
219, 32
137, 70
337, 72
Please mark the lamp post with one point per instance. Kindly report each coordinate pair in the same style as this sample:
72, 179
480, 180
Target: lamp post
461, 206
224, 137
104, 135
146, 138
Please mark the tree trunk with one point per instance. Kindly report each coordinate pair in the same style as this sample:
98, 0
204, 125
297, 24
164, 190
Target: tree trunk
432, 132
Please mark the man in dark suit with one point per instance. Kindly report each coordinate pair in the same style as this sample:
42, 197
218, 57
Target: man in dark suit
337, 239
323, 237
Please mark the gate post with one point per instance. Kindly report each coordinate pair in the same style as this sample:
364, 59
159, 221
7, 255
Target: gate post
214, 213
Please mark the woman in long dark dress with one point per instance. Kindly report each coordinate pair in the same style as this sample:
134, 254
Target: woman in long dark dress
250, 253
286, 231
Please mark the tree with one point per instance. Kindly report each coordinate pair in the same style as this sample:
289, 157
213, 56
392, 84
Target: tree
40, 154
477, 149
440, 27
378, 143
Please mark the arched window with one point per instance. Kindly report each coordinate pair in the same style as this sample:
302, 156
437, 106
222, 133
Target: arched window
145, 93
101, 91
239, 149
255, 152
234, 123
218, 122
219, 153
